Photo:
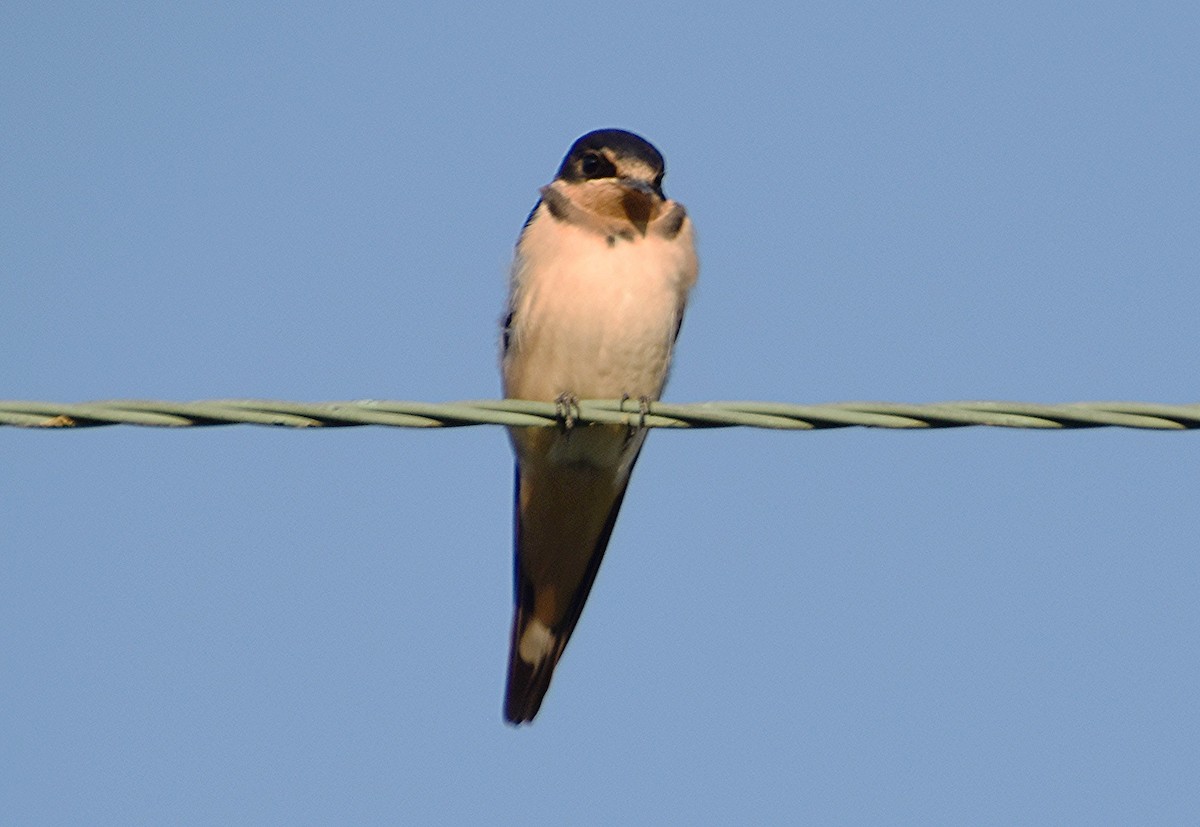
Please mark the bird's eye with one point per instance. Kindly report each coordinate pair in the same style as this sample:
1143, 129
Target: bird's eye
590, 165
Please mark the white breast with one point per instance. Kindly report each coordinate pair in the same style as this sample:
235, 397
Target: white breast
592, 317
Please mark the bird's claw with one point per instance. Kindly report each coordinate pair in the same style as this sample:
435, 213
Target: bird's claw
567, 410
643, 411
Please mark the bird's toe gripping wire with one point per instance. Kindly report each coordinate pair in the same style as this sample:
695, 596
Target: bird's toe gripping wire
567, 410
643, 411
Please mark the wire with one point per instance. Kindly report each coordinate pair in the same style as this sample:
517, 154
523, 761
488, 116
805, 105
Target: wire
520, 413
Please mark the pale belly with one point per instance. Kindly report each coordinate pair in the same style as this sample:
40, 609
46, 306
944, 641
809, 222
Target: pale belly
599, 323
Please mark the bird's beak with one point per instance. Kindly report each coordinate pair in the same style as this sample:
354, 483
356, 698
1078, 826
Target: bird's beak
638, 201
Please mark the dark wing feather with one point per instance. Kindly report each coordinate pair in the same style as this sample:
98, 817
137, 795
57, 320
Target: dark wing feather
527, 683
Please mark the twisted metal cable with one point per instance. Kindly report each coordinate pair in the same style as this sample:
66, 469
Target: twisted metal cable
513, 412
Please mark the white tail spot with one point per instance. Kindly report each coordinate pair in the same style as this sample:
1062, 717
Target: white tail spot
537, 642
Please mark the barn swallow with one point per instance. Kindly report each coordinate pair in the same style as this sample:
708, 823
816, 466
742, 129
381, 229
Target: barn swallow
602, 271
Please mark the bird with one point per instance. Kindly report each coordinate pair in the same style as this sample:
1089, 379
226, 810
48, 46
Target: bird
600, 278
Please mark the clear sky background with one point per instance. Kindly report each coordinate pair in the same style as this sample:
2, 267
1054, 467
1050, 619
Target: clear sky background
905, 202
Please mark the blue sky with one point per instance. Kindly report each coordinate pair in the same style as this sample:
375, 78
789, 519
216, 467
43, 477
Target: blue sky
917, 202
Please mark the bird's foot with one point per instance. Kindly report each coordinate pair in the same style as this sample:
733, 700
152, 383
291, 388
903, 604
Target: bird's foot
643, 411
567, 410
